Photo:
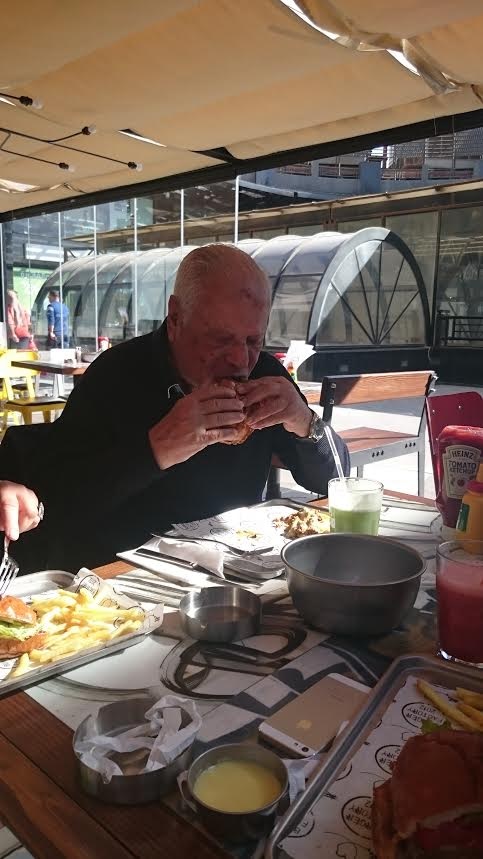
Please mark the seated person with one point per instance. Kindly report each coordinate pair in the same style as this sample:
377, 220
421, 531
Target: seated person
19, 509
148, 437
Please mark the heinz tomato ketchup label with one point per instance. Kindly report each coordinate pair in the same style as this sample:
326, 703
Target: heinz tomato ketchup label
460, 451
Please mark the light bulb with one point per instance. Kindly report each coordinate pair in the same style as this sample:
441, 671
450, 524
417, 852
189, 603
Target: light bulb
68, 167
37, 104
89, 129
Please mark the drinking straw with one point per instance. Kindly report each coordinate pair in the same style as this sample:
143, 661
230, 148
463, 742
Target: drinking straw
335, 454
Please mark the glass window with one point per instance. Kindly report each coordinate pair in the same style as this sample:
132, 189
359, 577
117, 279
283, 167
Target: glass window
419, 231
292, 304
460, 273
306, 229
361, 224
372, 297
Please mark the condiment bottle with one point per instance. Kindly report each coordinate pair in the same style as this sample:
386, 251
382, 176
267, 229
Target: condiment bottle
470, 519
460, 449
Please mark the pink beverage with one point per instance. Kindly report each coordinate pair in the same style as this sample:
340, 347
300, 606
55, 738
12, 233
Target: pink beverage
459, 586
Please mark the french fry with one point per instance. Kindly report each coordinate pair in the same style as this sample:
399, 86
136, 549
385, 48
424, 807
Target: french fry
472, 712
474, 699
21, 667
72, 622
448, 710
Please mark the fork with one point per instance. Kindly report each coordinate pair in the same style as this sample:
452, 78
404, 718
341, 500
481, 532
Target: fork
8, 568
234, 549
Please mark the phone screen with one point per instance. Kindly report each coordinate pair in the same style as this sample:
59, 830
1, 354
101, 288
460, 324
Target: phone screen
310, 722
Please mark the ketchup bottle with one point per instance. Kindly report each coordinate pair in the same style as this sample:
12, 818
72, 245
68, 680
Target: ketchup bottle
460, 450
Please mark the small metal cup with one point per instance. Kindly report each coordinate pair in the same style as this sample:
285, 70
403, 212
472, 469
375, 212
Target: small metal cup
237, 827
136, 788
220, 614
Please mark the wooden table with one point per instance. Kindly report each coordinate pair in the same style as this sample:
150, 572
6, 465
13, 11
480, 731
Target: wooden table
76, 370
40, 799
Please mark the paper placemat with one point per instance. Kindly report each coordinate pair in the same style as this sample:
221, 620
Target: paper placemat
340, 821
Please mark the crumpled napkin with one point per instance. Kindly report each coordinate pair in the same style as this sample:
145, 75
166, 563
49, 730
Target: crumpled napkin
297, 352
161, 733
208, 555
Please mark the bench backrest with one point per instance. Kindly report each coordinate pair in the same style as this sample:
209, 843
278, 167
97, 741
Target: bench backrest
372, 387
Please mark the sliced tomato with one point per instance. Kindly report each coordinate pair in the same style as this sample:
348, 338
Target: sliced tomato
455, 833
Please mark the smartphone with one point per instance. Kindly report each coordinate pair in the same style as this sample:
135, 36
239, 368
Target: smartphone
310, 722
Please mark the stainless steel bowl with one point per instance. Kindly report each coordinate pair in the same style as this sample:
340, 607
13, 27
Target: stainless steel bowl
239, 827
132, 788
220, 614
352, 584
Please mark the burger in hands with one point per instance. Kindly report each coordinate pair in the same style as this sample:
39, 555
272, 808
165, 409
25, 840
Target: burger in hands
243, 430
19, 628
432, 806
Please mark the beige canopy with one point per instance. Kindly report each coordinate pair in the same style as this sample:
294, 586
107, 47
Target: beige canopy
247, 77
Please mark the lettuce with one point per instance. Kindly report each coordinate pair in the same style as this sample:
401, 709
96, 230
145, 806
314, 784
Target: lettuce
16, 631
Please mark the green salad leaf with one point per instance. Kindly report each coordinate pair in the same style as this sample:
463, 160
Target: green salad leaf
428, 726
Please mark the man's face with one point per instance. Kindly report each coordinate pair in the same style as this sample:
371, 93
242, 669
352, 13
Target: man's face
221, 337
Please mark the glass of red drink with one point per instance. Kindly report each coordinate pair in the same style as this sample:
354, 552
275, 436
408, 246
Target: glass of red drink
459, 587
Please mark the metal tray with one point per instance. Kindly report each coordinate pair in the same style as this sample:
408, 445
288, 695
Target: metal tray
37, 583
414, 665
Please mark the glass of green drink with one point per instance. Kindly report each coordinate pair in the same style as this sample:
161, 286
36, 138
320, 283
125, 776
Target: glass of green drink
355, 505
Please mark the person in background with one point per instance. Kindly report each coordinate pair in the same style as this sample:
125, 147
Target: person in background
18, 323
19, 509
173, 452
57, 322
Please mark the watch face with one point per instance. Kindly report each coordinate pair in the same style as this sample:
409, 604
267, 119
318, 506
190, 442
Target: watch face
317, 428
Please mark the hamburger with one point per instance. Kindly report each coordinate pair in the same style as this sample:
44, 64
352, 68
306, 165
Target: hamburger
432, 806
19, 628
243, 429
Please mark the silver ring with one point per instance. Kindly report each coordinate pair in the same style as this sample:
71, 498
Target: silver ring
40, 511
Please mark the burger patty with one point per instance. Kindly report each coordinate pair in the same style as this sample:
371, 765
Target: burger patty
10, 647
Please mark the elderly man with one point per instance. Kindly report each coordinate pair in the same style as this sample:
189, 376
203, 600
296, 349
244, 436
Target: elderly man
148, 437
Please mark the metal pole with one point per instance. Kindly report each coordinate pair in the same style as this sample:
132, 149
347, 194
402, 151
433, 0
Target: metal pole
61, 256
181, 219
135, 282
96, 297
237, 195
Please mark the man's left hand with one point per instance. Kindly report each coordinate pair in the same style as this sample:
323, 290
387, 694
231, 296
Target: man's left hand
275, 400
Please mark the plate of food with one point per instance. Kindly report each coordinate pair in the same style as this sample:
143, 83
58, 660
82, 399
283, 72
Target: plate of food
258, 532
50, 631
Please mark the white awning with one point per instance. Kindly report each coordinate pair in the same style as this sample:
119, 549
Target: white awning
252, 78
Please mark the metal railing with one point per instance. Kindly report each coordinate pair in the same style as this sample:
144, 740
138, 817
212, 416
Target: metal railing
458, 329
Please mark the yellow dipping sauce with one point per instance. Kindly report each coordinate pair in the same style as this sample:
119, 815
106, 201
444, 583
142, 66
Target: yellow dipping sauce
237, 786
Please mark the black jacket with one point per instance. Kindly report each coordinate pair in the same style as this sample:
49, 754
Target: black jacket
95, 472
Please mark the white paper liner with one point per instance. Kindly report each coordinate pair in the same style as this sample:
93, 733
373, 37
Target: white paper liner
161, 733
339, 823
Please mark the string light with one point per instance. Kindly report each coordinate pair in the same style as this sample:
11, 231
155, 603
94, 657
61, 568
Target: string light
86, 131
26, 100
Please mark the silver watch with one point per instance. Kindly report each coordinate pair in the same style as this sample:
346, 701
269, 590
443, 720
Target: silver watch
317, 427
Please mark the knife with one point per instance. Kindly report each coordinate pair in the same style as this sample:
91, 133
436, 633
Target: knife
155, 555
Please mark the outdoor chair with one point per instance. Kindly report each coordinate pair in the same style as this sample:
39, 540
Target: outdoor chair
18, 394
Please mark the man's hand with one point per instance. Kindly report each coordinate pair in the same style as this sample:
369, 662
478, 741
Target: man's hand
19, 509
274, 400
207, 416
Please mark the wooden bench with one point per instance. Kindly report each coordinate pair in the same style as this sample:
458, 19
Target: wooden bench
370, 444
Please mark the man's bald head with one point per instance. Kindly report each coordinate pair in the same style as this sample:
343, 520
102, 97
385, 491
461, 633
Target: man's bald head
209, 270
218, 314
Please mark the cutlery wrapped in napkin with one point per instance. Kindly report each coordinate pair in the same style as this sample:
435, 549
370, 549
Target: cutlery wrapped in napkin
171, 726
162, 554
